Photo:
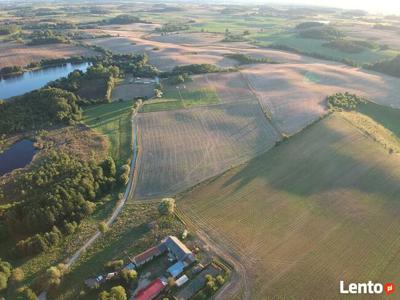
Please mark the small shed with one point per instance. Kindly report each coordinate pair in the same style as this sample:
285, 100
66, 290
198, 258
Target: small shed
176, 269
181, 280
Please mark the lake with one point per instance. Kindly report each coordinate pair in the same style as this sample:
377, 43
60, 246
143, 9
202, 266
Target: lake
17, 156
33, 80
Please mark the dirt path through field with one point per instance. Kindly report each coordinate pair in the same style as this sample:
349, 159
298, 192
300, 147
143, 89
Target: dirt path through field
238, 286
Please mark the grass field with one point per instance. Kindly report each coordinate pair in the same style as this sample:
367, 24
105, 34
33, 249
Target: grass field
319, 208
175, 98
316, 46
114, 121
129, 235
386, 116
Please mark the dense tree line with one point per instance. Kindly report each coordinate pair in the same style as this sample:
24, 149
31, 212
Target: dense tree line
350, 46
194, 69
344, 101
37, 109
321, 33
390, 66
54, 197
123, 19
9, 29
307, 25
135, 64
98, 75
47, 36
172, 27
246, 59
13, 70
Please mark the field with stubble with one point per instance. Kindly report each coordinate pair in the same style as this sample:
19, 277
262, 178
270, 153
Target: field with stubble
293, 95
183, 147
14, 54
319, 208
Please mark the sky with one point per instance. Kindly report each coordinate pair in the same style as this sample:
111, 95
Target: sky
375, 6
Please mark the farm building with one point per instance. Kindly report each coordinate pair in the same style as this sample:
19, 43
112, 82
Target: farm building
181, 280
151, 291
176, 269
147, 256
177, 249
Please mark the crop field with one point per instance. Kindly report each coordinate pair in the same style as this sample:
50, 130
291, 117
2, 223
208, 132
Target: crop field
294, 94
181, 96
128, 91
307, 214
164, 56
188, 146
13, 54
114, 121
187, 38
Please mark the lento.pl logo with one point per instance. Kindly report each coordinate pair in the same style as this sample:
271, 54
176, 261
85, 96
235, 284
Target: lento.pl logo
366, 288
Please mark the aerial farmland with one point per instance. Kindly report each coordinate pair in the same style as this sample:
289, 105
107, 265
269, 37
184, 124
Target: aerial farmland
199, 150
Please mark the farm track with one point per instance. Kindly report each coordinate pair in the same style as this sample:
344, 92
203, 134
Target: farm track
238, 285
120, 204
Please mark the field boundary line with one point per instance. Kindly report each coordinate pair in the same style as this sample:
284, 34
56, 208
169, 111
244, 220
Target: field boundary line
267, 112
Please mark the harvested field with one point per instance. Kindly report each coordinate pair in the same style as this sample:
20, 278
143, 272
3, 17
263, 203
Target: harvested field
129, 91
307, 214
184, 147
13, 54
294, 94
183, 38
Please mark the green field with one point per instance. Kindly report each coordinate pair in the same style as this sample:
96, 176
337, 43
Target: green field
318, 208
316, 46
129, 235
386, 116
114, 121
182, 98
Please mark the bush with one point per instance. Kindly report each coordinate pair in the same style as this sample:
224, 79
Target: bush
123, 177
103, 227
3, 281
167, 206
17, 275
128, 276
220, 280
114, 265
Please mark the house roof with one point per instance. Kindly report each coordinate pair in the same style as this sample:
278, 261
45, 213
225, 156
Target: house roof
175, 246
151, 291
144, 256
176, 269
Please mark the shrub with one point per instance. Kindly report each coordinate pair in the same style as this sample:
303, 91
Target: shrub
128, 276
114, 265
17, 275
167, 206
103, 227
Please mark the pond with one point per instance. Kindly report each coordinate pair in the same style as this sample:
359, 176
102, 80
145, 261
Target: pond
17, 156
33, 80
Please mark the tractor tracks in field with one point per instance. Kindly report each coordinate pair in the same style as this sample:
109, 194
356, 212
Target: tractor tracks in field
238, 285
267, 112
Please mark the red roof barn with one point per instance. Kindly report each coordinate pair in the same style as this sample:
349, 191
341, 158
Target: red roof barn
151, 291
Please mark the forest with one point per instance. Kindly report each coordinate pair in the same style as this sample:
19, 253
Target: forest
38, 109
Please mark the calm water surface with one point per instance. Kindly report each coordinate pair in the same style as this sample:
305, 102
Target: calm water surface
17, 156
33, 80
